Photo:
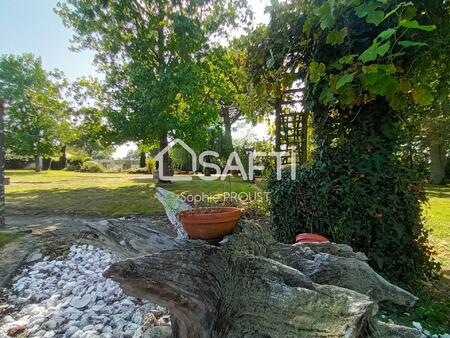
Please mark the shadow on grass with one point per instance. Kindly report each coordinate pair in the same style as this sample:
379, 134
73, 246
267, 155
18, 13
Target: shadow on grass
99, 201
134, 199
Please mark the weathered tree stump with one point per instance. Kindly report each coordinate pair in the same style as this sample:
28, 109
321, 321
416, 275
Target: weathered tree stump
248, 285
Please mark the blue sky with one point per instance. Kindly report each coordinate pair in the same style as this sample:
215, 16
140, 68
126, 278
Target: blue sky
31, 26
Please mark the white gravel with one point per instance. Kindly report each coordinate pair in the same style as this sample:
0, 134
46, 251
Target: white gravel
69, 297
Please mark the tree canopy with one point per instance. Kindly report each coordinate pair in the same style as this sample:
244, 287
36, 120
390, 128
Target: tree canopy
36, 122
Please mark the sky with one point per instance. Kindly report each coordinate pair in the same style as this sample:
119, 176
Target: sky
31, 26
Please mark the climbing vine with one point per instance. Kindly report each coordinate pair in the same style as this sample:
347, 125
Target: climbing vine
365, 61
356, 59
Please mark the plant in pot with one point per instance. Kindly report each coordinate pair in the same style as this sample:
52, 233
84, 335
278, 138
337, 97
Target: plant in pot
209, 223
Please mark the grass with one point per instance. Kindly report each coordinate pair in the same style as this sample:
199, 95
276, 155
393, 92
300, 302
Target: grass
433, 307
103, 194
6, 237
438, 221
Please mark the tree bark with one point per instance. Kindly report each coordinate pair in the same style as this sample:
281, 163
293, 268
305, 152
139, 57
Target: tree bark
228, 140
2, 164
164, 167
142, 158
63, 157
37, 163
438, 163
248, 285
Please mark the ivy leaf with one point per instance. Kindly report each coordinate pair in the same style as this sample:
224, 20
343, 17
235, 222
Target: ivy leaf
386, 34
415, 25
326, 96
337, 37
407, 44
316, 71
344, 79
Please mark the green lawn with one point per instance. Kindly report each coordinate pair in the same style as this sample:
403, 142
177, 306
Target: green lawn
437, 219
102, 194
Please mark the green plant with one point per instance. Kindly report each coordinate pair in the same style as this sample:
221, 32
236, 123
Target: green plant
150, 165
137, 170
357, 61
92, 167
75, 163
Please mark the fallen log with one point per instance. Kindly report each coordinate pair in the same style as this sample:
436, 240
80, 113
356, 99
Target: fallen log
248, 285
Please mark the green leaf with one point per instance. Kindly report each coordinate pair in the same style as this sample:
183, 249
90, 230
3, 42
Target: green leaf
327, 18
370, 11
344, 79
386, 34
375, 17
337, 37
380, 84
415, 25
307, 27
326, 96
370, 54
407, 44
316, 71
347, 59
422, 95
383, 49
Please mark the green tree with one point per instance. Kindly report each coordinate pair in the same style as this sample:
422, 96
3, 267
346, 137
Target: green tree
89, 110
152, 53
232, 90
36, 114
432, 122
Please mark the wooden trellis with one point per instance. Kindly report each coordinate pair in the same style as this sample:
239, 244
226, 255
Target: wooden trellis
294, 135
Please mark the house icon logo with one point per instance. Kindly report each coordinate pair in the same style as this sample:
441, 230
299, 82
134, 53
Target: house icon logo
159, 158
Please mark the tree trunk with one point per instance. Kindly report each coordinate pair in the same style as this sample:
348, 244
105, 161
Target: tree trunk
142, 159
248, 285
37, 163
2, 164
438, 163
278, 110
63, 157
164, 167
228, 140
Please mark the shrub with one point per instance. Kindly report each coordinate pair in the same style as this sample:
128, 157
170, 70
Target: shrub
151, 165
92, 167
137, 170
75, 163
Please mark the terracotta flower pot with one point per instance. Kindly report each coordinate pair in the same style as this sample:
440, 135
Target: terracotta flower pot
209, 223
310, 238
